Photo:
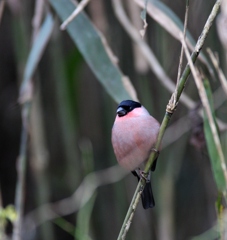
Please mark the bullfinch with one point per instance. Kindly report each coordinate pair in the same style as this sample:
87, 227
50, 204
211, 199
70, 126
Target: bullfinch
134, 134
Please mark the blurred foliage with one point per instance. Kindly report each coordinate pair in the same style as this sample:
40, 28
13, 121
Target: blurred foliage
6, 214
75, 89
212, 150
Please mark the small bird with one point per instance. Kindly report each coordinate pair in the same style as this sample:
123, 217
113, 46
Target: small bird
134, 134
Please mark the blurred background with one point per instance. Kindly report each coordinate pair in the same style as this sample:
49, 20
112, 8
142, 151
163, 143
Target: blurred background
73, 187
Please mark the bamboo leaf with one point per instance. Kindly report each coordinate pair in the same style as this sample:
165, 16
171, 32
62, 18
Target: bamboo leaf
166, 18
37, 50
34, 57
93, 47
83, 220
211, 147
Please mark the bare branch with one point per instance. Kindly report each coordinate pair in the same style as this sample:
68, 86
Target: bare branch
205, 102
78, 9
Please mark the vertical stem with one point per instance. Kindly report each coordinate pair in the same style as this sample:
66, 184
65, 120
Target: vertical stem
21, 171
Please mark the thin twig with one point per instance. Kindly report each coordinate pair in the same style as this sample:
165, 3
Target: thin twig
80, 197
21, 169
168, 115
37, 18
148, 53
182, 126
78, 9
173, 101
143, 15
25, 99
140, 63
155, 10
182, 50
205, 101
221, 75
152, 60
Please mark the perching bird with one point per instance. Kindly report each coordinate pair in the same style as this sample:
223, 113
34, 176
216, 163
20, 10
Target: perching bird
134, 134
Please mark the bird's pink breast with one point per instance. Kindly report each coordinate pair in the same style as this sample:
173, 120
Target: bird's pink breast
133, 137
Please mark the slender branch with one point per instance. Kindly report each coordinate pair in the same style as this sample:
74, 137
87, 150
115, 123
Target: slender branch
140, 63
79, 198
156, 11
173, 100
25, 99
37, 18
204, 99
21, 169
152, 60
148, 53
169, 111
78, 9
221, 75
182, 50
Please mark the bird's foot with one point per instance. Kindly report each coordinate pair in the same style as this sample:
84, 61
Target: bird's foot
145, 176
156, 151
141, 174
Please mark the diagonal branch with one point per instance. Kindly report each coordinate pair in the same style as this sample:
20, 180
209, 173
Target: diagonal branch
166, 119
148, 53
205, 101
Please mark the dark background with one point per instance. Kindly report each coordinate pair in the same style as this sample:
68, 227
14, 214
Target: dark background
71, 121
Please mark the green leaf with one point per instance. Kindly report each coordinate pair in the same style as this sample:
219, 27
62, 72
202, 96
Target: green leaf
90, 43
9, 213
83, 220
212, 149
37, 50
166, 18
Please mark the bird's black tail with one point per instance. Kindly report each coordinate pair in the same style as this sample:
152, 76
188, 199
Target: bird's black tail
147, 197
147, 194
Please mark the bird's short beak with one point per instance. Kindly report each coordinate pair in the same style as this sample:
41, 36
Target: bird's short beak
121, 112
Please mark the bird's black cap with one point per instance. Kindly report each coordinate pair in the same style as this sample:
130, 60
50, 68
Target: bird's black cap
126, 106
